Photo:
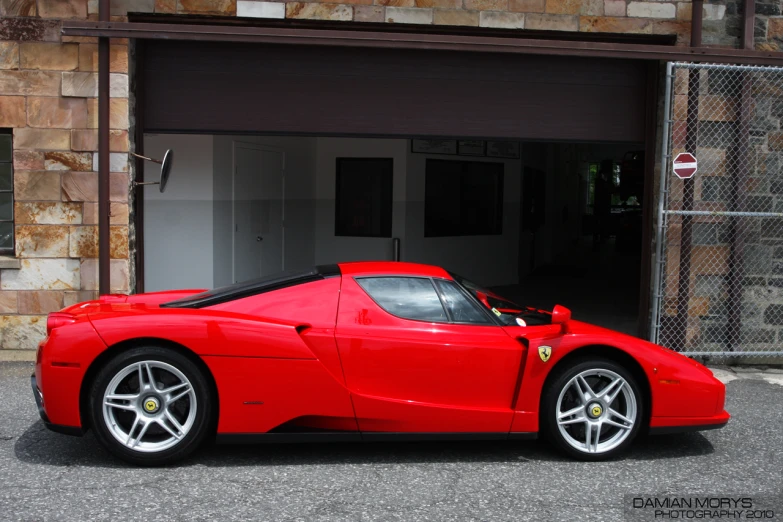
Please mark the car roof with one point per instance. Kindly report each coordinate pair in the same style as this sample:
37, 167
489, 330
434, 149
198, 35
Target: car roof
363, 268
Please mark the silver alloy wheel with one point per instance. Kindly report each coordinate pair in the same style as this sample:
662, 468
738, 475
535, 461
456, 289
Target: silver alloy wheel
149, 406
596, 411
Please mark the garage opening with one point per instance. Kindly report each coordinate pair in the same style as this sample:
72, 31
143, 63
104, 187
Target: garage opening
541, 222
489, 165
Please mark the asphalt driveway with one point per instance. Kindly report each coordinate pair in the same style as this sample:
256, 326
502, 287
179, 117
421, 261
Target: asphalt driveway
46, 476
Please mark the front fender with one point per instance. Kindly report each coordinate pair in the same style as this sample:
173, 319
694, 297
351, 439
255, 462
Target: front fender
679, 387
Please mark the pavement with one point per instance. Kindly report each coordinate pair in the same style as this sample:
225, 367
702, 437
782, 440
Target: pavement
47, 476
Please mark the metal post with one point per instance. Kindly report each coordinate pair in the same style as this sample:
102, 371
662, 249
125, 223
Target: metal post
396, 248
748, 27
680, 326
651, 129
738, 164
657, 295
740, 158
697, 16
680, 322
686, 231
104, 284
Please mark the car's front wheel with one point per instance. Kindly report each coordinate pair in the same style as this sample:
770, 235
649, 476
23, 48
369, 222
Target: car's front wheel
593, 409
151, 406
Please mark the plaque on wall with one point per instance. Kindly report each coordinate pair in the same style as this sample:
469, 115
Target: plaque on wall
470, 147
434, 146
503, 149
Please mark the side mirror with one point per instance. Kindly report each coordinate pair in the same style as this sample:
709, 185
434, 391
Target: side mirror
483, 298
165, 168
561, 315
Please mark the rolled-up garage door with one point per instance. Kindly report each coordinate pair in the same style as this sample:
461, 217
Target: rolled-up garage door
237, 88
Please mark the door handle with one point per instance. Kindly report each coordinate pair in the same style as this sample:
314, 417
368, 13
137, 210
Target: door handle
259, 238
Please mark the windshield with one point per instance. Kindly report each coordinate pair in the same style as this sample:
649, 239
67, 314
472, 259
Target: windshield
507, 311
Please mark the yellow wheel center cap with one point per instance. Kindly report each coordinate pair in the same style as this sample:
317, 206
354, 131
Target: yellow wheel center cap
596, 410
151, 405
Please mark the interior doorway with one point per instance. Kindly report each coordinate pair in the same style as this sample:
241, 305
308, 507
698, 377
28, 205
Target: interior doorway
582, 221
258, 211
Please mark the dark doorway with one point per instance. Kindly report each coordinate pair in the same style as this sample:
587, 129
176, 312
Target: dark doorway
581, 222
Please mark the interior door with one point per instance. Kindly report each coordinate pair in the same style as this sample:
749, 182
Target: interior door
258, 211
420, 376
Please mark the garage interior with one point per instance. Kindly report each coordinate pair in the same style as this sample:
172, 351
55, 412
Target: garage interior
331, 118
239, 207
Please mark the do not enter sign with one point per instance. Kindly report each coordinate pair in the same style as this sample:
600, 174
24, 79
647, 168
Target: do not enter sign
684, 165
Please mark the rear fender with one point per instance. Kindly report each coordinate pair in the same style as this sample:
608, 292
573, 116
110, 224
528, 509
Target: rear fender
61, 363
205, 332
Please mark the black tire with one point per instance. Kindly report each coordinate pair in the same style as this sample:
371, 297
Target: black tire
202, 424
550, 409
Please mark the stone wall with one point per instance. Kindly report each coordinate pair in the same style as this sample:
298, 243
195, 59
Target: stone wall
48, 89
610, 16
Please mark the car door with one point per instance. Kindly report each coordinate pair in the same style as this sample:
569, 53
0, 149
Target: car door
419, 356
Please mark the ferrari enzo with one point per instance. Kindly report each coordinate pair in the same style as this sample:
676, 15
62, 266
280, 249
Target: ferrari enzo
356, 352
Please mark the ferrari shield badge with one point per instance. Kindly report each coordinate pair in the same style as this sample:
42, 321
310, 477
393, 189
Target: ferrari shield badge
544, 352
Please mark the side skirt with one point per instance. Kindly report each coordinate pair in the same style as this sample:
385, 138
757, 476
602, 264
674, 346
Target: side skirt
282, 438
668, 430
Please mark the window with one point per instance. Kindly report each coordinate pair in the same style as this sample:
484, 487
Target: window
459, 307
463, 198
614, 183
407, 297
363, 203
509, 311
592, 173
6, 192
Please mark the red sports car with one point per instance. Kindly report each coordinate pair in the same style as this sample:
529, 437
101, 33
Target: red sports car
356, 352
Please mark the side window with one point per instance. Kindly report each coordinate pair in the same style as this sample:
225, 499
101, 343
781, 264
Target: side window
460, 308
407, 297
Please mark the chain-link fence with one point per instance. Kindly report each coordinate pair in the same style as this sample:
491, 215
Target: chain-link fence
719, 269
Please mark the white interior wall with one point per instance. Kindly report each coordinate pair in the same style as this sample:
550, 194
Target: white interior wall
491, 260
332, 249
488, 260
178, 235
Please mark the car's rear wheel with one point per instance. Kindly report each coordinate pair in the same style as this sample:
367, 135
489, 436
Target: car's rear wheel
151, 406
593, 409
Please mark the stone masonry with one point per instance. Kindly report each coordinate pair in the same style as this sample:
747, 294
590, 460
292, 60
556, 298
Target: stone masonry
48, 89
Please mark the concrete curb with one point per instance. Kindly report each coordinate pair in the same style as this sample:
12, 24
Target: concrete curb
17, 355
726, 374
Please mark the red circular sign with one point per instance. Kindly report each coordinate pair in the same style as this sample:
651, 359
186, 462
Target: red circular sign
684, 165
